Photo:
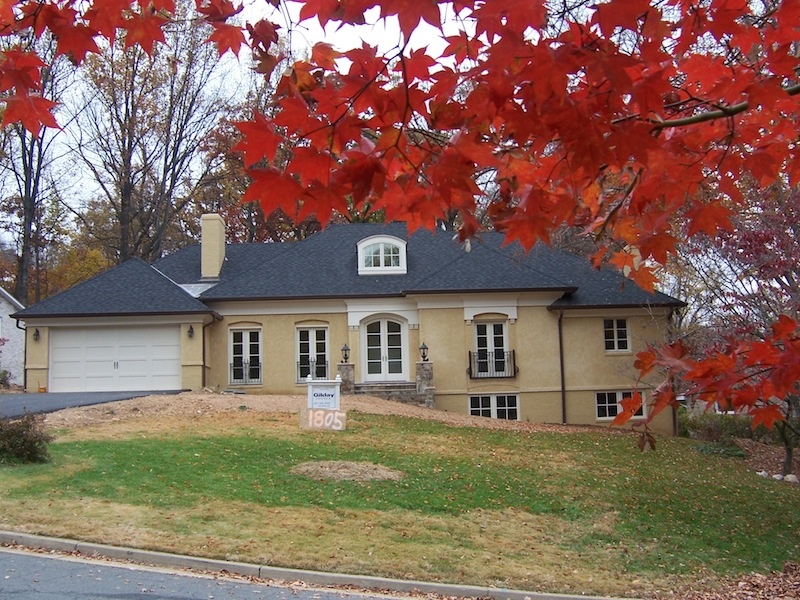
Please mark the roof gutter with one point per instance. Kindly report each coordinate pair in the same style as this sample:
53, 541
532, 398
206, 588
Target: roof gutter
132, 314
668, 305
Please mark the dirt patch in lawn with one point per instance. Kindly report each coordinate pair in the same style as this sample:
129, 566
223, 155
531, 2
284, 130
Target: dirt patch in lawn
343, 470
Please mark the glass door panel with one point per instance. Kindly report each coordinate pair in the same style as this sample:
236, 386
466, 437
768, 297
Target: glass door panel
385, 350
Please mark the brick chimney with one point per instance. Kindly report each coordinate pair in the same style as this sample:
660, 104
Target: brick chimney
212, 246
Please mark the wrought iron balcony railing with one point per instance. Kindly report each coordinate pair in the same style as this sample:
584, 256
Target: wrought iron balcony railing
317, 370
485, 365
245, 372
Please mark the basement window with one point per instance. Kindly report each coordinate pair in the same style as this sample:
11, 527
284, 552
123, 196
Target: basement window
495, 406
608, 407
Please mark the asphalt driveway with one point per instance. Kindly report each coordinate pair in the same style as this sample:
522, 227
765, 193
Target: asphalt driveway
15, 405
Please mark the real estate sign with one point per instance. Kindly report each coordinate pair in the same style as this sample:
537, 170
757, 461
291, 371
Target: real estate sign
323, 411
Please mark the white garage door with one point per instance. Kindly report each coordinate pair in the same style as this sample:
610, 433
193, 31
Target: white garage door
110, 359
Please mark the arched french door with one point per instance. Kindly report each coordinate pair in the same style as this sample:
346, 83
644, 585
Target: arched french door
385, 343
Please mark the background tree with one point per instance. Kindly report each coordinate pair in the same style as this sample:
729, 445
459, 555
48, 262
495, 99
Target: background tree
226, 180
27, 164
740, 282
144, 115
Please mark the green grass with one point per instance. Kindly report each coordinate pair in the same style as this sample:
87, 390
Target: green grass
251, 468
671, 512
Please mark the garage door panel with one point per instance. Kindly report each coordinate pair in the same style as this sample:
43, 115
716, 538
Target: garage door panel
95, 383
115, 359
130, 367
137, 352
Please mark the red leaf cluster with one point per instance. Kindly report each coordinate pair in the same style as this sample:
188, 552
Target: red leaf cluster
752, 377
634, 120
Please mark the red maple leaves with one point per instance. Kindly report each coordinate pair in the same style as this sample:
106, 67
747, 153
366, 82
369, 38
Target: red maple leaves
632, 119
751, 377
76, 25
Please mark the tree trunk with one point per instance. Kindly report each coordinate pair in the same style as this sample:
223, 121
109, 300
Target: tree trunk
28, 182
788, 460
23, 266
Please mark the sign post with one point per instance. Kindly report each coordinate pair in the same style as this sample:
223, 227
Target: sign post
323, 410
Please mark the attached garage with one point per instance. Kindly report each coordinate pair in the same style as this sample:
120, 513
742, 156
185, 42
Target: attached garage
130, 329
105, 359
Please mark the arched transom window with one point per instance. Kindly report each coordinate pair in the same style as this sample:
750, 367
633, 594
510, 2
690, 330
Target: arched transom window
379, 255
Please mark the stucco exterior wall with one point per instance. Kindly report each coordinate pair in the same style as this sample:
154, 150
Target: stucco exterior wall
532, 332
12, 352
192, 370
534, 407
448, 328
589, 368
38, 356
278, 349
444, 332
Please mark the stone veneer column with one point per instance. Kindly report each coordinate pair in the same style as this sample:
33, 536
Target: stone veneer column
347, 371
424, 380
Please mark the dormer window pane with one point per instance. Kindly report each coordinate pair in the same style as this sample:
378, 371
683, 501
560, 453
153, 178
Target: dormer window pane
372, 256
391, 255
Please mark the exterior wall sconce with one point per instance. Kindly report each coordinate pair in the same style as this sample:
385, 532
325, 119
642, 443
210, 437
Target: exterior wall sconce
36, 335
345, 353
190, 332
423, 352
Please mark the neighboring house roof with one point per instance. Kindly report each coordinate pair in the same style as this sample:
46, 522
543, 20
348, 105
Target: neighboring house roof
132, 288
16, 304
325, 265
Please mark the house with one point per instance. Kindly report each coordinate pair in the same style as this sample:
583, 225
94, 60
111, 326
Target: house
12, 350
487, 330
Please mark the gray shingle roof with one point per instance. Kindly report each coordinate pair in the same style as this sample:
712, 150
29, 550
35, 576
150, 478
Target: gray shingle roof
600, 288
184, 266
132, 288
325, 265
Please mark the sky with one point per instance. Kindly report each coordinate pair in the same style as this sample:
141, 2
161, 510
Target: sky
383, 33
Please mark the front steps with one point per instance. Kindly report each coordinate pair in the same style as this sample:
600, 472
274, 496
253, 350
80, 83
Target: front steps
401, 391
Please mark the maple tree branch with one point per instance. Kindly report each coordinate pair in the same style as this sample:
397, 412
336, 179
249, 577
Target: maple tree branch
627, 191
720, 113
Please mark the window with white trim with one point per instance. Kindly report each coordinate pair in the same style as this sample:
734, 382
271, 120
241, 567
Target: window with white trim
607, 404
379, 255
245, 353
312, 353
615, 333
495, 406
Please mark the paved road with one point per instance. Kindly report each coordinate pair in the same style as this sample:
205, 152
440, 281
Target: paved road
15, 405
32, 576
358, 586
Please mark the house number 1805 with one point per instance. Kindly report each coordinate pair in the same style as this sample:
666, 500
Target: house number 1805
320, 418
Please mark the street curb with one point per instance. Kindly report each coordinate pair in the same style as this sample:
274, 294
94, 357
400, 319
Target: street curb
317, 578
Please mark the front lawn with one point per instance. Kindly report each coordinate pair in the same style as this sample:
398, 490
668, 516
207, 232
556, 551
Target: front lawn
557, 512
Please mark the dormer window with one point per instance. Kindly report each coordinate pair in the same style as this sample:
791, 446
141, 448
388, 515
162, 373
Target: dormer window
381, 255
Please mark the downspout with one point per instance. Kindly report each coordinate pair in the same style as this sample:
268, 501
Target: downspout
670, 317
561, 367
